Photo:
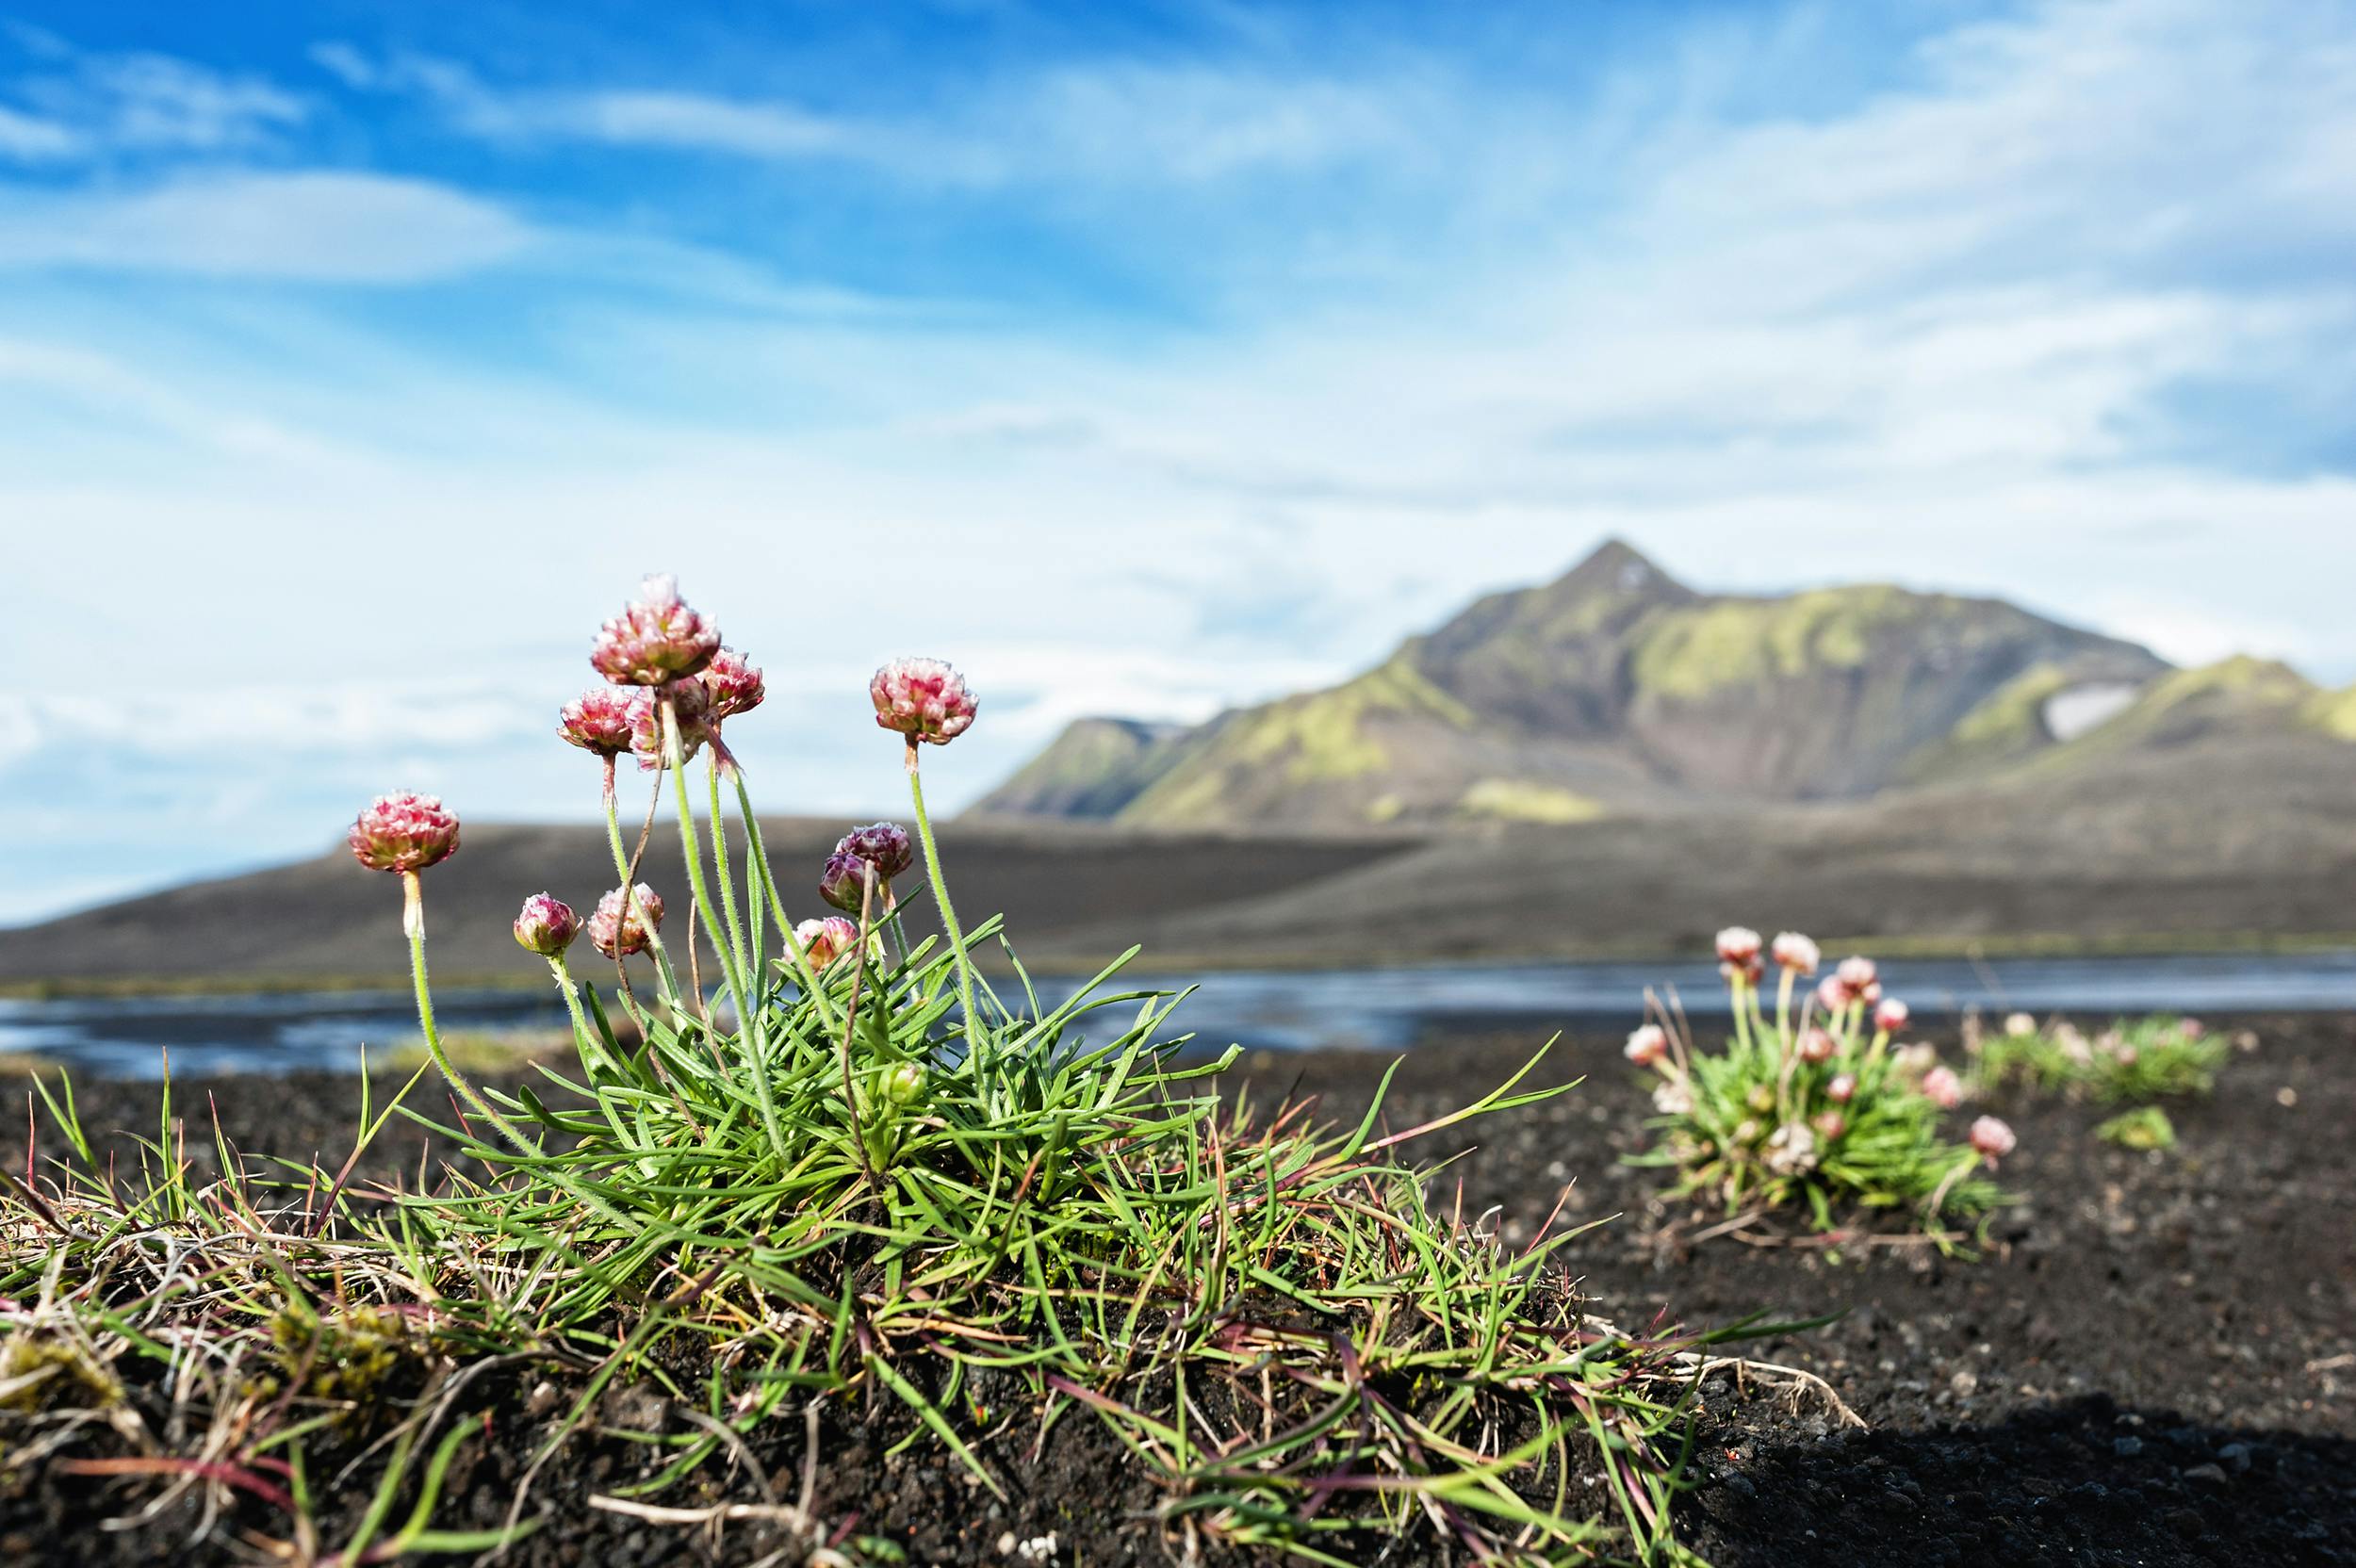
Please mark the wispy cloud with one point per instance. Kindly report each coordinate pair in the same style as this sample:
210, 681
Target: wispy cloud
75, 104
315, 227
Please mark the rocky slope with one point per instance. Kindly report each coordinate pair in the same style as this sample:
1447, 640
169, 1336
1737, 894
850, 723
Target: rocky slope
1614, 689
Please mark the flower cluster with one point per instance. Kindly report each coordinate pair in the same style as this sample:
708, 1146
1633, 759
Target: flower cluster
878, 854
924, 699
404, 832
1811, 1103
2128, 1063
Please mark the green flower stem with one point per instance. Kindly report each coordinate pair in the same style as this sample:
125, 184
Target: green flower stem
721, 870
413, 922
759, 854
666, 982
1741, 988
948, 914
677, 763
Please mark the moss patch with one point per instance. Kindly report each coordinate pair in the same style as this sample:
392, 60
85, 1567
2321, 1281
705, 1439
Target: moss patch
1527, 800
1696, 652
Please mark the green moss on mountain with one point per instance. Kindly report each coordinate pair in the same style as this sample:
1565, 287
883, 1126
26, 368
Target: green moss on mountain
1699, 651
1528, 800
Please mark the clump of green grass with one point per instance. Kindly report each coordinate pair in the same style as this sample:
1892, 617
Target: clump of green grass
2132, 1062
890, 1182
1812, 1108
2146, 1127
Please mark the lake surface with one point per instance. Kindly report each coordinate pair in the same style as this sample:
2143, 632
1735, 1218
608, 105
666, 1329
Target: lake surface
1382, 1008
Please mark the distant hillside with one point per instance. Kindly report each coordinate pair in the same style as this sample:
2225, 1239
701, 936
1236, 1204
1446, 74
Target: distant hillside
1614, 689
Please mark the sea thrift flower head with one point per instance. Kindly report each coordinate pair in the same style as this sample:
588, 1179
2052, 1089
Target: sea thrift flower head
1870, 993
1816, 1045
1797, 953
2191, 1028
1673, 1098
924, 699
404, 832
656, 639
1833, 994
1842, 1088
547, 926
734, 683
694, 702
618, 931
843, 883
1857, 973
885, 846
597, 721
1944, 1088
1791, 1151
2018, 1025
823, 942
1829, 1125
1647, 1047
1914, 1060
1892, 1016
1994, 1138
1737, 946
1747, 973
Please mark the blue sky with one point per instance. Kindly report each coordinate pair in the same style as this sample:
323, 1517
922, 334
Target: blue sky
355, 359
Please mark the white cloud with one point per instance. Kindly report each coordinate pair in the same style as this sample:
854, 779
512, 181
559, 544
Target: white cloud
86, 104
321, 228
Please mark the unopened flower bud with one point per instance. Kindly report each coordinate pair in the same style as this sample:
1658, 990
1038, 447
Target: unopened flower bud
903, 1086
922, 698
656, 639
885, 848
734, 683
625, 923
1944, 1087
1762, 1097
1992, 1138
1737, 946
547, 926
1829, 1125
404, 832
1842, 1088
1892, 1016
1648, 1046
1816, 1045
1870, 993
1796, 953
1673, 1098
2191, 1028
1914, 1060
823, 942
597, 721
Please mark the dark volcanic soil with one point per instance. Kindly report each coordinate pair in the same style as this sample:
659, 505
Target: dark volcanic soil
2153, 1365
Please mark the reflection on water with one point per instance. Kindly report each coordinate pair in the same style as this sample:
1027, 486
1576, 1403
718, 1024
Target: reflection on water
1386, 1009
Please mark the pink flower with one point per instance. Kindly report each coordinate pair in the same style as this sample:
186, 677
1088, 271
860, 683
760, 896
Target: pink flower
1842, 1088
1892, 1016
1748, 974
1833, 994
2191, 1028
1829, 1125
1857, 973
618, 932
924, 699
404, 832
597, 721
656, 639
1992, 1138
547, 926
823, 942
1648, 1046
883, 849
734, 683
694, 702
1737, 946
1796, 953
1944, 1088
1816, 1046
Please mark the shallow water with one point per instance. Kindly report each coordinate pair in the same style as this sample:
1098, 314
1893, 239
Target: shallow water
1382, 1008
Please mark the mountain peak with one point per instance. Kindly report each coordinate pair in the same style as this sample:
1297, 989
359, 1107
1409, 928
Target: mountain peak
1615, 566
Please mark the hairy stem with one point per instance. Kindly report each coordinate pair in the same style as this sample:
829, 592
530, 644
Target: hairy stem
948, 915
